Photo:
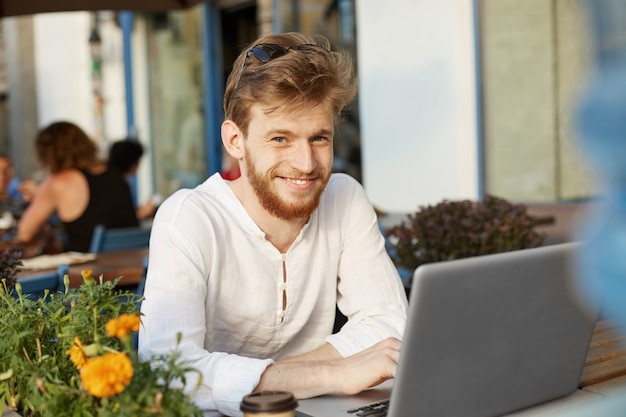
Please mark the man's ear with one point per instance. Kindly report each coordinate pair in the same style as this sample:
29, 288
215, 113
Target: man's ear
232, 138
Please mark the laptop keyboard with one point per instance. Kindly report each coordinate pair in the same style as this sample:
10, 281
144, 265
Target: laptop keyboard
378, 409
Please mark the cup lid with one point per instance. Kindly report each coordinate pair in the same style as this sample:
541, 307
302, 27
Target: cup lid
268, 401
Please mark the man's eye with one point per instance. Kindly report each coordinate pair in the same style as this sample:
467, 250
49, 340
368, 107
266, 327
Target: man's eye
320, 139
280, 140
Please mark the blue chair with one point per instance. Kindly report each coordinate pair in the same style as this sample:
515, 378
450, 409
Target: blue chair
106, 240
34, 288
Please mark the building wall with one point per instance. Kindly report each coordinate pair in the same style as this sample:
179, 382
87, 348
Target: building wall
417, 102
432, 130
534, 61
48, 72
573, 53
64, 75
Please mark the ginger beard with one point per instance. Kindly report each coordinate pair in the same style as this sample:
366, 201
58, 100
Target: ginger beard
272, 202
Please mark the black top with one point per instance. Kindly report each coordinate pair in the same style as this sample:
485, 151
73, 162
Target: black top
110, 204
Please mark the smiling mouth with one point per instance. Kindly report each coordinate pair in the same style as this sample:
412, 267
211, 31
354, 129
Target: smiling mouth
298, 181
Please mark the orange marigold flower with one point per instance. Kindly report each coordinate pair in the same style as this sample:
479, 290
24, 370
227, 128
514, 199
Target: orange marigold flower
76, 354
88, 277
121, 326
107, 375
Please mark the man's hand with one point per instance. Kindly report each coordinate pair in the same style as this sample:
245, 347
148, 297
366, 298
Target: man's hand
324, 371
369, 368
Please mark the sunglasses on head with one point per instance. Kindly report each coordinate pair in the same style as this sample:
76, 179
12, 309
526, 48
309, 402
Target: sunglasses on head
266, 52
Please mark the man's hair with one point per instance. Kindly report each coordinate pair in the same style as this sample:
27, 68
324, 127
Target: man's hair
295, 80
125, 153
63, 145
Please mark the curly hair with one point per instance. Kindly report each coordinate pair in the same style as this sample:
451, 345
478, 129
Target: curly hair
298, 78
63, 145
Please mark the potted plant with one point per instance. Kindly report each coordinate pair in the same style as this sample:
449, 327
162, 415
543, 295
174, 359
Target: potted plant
460, 229
71, 354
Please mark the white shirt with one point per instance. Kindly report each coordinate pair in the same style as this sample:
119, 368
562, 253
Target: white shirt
213, 277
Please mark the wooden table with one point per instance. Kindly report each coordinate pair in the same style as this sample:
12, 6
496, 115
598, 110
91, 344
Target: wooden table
127, 263
605, 367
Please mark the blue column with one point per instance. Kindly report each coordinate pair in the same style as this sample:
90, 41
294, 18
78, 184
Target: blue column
346, 16
126, 22
275, 17
213, 86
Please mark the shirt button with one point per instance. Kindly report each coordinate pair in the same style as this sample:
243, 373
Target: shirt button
282, 286
281, 314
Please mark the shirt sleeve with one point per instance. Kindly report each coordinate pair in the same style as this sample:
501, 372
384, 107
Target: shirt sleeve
175, 297
370, 292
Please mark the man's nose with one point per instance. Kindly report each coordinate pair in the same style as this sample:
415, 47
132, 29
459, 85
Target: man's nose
303, 157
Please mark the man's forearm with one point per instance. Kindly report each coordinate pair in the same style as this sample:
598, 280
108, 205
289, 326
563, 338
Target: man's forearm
303, 375
324, 371
325, 352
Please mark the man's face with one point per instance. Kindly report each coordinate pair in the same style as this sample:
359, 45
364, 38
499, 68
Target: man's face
288, 159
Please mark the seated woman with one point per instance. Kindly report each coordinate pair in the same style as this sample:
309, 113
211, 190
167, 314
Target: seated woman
81, 189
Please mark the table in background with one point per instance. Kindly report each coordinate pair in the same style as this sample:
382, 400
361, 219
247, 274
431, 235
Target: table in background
127, 263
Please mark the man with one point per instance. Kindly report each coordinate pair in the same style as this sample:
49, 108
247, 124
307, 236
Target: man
125, 155
249, 271
12, 205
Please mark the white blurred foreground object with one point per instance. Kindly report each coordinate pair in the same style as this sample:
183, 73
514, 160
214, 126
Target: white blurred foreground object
6, 220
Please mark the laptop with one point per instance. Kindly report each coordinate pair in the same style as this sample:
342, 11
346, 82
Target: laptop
485, 336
